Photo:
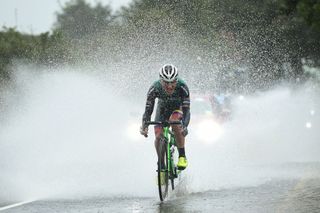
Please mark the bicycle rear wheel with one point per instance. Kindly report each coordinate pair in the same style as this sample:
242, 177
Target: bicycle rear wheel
172, 180
163, 175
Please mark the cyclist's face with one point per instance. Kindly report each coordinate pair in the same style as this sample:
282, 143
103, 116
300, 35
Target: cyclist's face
169, 87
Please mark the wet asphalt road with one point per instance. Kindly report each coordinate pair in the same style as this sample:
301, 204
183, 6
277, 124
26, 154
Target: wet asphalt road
295, 195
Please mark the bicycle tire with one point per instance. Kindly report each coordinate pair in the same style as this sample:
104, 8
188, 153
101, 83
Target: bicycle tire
163, 180
173, 170
172, 180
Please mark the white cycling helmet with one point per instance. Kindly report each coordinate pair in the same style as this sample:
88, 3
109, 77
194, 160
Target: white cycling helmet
168, 73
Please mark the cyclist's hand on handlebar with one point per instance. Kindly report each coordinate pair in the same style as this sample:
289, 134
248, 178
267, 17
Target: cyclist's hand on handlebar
144, 131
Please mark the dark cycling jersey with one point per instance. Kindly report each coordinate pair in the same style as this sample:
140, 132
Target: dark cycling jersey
179, 100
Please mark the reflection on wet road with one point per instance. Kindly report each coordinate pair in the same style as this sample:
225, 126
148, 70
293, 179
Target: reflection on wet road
301, 195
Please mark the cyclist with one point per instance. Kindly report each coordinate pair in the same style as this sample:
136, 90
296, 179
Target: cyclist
221, 105
173, 105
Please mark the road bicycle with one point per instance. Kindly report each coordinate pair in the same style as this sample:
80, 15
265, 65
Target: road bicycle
167, 161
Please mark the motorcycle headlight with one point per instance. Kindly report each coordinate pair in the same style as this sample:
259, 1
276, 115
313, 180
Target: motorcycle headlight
308, 125
132, 131
241, 97
208, 131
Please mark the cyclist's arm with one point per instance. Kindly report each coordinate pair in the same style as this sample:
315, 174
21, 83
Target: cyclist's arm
151, 96
185, 105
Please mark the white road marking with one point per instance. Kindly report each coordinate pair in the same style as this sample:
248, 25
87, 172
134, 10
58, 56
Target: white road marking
15, 205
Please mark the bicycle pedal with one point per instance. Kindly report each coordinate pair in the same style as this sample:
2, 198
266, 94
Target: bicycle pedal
175, 175
181, 168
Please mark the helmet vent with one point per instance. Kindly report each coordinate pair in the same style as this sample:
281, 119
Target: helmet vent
168, 73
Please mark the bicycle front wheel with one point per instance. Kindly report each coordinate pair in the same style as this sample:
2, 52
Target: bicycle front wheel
163, 175
173, 169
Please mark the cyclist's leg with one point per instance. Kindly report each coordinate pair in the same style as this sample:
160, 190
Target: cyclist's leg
158, 134
180, 139
177, 129
161, 115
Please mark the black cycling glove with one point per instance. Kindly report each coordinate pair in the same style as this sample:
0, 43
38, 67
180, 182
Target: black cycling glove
144, 125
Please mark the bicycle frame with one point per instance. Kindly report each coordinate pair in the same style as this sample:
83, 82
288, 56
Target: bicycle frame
168, 144
171, 141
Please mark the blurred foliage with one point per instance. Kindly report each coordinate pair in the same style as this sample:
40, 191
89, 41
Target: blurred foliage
42, 49
78, 19
268, 37
309, 10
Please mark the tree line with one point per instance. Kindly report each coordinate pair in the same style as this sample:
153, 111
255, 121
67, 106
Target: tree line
273, 39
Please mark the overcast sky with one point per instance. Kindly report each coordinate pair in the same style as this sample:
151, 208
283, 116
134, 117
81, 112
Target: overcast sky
37, 16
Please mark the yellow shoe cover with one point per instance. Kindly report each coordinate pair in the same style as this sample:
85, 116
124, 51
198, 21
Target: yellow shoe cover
182, 163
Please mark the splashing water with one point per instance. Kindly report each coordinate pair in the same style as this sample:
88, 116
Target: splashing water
64, 135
